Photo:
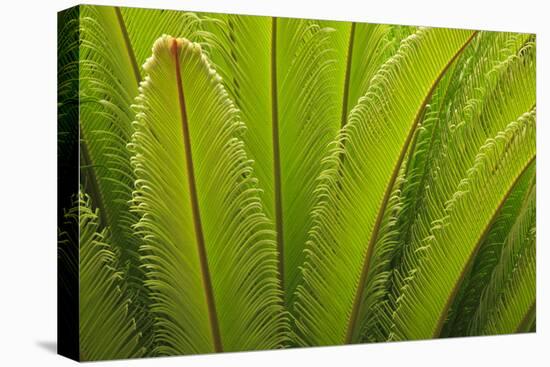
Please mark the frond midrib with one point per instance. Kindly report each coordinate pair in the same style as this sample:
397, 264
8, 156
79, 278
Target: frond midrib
277, 189
205, 272
347, 76
128, 45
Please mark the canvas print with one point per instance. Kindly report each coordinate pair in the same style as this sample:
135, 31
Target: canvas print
236, 183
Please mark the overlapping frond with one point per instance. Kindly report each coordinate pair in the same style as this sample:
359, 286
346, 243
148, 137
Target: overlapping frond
209, 251
488, 257
108, 86
280, 73
240, 50
508, 302
351, 195
371, 317
455, 239
457, 95
501, 91
360, 49
308, 122
107, 331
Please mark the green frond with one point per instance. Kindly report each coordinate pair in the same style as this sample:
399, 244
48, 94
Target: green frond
508, 302
356, 183
67, 252
495, 93
405, 195
107, 331
459, 91
209, 251
280, 73
456, 94
488, 256
108, 87
360, 50
240, 51
455, 238
371, 321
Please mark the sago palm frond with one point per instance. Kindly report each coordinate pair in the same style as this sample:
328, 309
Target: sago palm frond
366, 160
209, 251
488, 257
450, 249
107, 331
508, 302
108, 86
457, 99
504, 98
280, 73
109, 80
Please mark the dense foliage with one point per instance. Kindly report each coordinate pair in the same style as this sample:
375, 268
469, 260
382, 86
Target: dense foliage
255, 183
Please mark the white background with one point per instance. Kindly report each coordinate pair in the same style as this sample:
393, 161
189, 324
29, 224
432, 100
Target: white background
28, 182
